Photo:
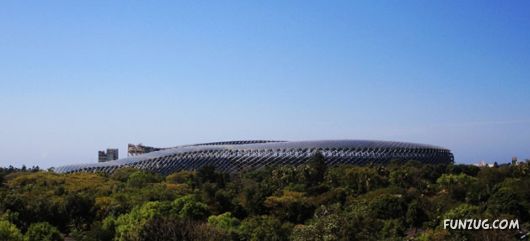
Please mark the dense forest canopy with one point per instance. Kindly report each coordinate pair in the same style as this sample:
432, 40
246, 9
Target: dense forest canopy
400, 201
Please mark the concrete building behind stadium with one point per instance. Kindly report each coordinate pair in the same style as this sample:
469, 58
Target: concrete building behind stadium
235, 156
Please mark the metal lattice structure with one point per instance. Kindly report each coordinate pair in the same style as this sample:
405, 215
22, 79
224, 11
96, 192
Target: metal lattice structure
234, 156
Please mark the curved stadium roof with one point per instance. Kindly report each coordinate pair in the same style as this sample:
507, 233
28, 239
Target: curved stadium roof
233, 156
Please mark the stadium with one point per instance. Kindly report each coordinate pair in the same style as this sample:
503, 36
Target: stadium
235, 156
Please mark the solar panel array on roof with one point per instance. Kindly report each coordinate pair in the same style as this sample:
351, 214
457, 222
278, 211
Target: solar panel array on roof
234, 156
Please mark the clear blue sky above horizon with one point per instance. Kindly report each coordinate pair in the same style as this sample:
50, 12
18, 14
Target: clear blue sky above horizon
79, 76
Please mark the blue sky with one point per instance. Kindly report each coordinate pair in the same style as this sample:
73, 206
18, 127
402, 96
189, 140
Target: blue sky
79, 76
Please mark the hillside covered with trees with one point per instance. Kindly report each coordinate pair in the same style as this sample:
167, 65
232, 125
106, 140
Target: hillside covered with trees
400, 201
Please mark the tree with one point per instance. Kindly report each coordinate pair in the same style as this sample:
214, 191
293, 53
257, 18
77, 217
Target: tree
291, 206
9, 232
224, 221
415, 215
208, 173
463, 211
333, 223
263, 228
123, 174
80, 209
181, 177
99, 231
405, 201
140, 179
188, 207
129, 226
318, 166
176, 229
388, 206
307, 233
327, 225
506, 201
358, 180
42, 232
456, 185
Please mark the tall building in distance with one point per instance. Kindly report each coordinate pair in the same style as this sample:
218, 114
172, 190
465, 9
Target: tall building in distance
110, 155
135, 150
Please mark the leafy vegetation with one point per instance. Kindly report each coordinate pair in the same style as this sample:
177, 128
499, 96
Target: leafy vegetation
399, 201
